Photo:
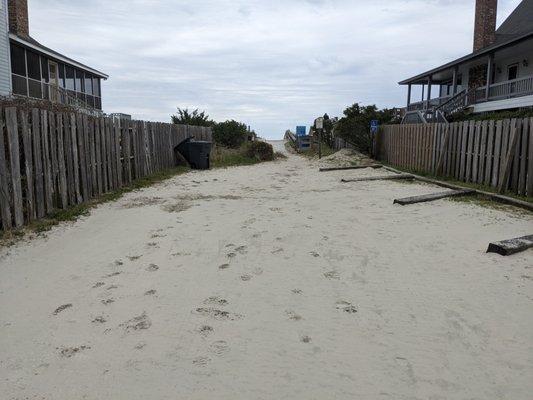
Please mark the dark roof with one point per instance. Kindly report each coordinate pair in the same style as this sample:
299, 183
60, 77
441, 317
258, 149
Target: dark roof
518, 23
515, 29
27, 40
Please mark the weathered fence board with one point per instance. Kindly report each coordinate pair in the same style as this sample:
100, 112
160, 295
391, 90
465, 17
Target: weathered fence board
14, 161
62, 179
51, 160
28, 165
493, 153
5, 209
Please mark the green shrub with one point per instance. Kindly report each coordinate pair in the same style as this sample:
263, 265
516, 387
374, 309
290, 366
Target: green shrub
230, 134
261, 151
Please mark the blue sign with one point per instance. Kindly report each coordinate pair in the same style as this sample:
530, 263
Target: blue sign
374, 126
301, 130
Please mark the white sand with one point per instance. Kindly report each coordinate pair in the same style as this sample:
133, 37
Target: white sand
330, 292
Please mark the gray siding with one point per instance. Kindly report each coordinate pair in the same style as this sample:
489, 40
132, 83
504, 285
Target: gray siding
5, 68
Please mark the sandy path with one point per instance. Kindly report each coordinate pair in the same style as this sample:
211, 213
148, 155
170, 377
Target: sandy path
270, 282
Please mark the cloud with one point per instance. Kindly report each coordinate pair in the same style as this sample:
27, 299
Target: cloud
272, 64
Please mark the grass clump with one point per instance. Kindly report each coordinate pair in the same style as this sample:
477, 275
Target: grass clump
248, 154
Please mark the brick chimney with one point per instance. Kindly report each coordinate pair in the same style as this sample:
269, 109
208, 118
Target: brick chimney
485, 24
18, 17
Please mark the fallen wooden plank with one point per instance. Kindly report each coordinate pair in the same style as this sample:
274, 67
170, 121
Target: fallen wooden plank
374, 166
493, 196
380, 178
511, 246
433, 196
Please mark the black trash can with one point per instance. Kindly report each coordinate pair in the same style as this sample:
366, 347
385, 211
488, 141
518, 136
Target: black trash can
196, 153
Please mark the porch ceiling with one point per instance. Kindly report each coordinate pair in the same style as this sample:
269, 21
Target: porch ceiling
445, 72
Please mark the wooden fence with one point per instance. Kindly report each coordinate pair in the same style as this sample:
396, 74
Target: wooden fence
492, 153
53, 160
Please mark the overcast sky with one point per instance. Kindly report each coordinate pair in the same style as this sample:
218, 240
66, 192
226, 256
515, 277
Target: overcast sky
272, 64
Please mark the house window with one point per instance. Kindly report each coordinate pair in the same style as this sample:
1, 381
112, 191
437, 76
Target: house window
44, 68
69, 72
96, 87
79, 78
88, 84
512, 72
61, 75
34, 65
18, 60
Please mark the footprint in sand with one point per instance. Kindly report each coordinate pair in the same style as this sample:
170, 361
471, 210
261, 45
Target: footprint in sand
314, 254
68, 352
241, 250
98, 284
141, 322
151, 292
201, 361
62, 308
305, 339
224, 266
297, 291
293, 316
107, 302
246, 278
219, 348
112, 274
134, 258
205, 330
152, 268
217, 314
332, 275
346, 307
216, 300
99, 320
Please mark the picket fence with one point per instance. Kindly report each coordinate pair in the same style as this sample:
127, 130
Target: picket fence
52, 160
491, 153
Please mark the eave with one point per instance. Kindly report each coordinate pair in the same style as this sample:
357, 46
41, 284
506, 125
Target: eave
56, 56
422, 78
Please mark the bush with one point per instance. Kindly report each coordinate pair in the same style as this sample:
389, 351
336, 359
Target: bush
261, 151
230, 134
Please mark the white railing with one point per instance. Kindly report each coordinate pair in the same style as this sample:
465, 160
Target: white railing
422, 105
506, 90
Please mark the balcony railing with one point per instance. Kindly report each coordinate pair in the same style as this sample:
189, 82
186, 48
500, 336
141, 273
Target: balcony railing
433, 103
505, 90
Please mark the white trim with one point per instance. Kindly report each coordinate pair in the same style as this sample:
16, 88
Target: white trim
57, 57
517, 102
8, 50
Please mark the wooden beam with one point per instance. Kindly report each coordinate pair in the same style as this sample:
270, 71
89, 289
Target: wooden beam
454, 83
374, 166
409, 91
432, 197
381, 178
489, 75
511, 246
493, 196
